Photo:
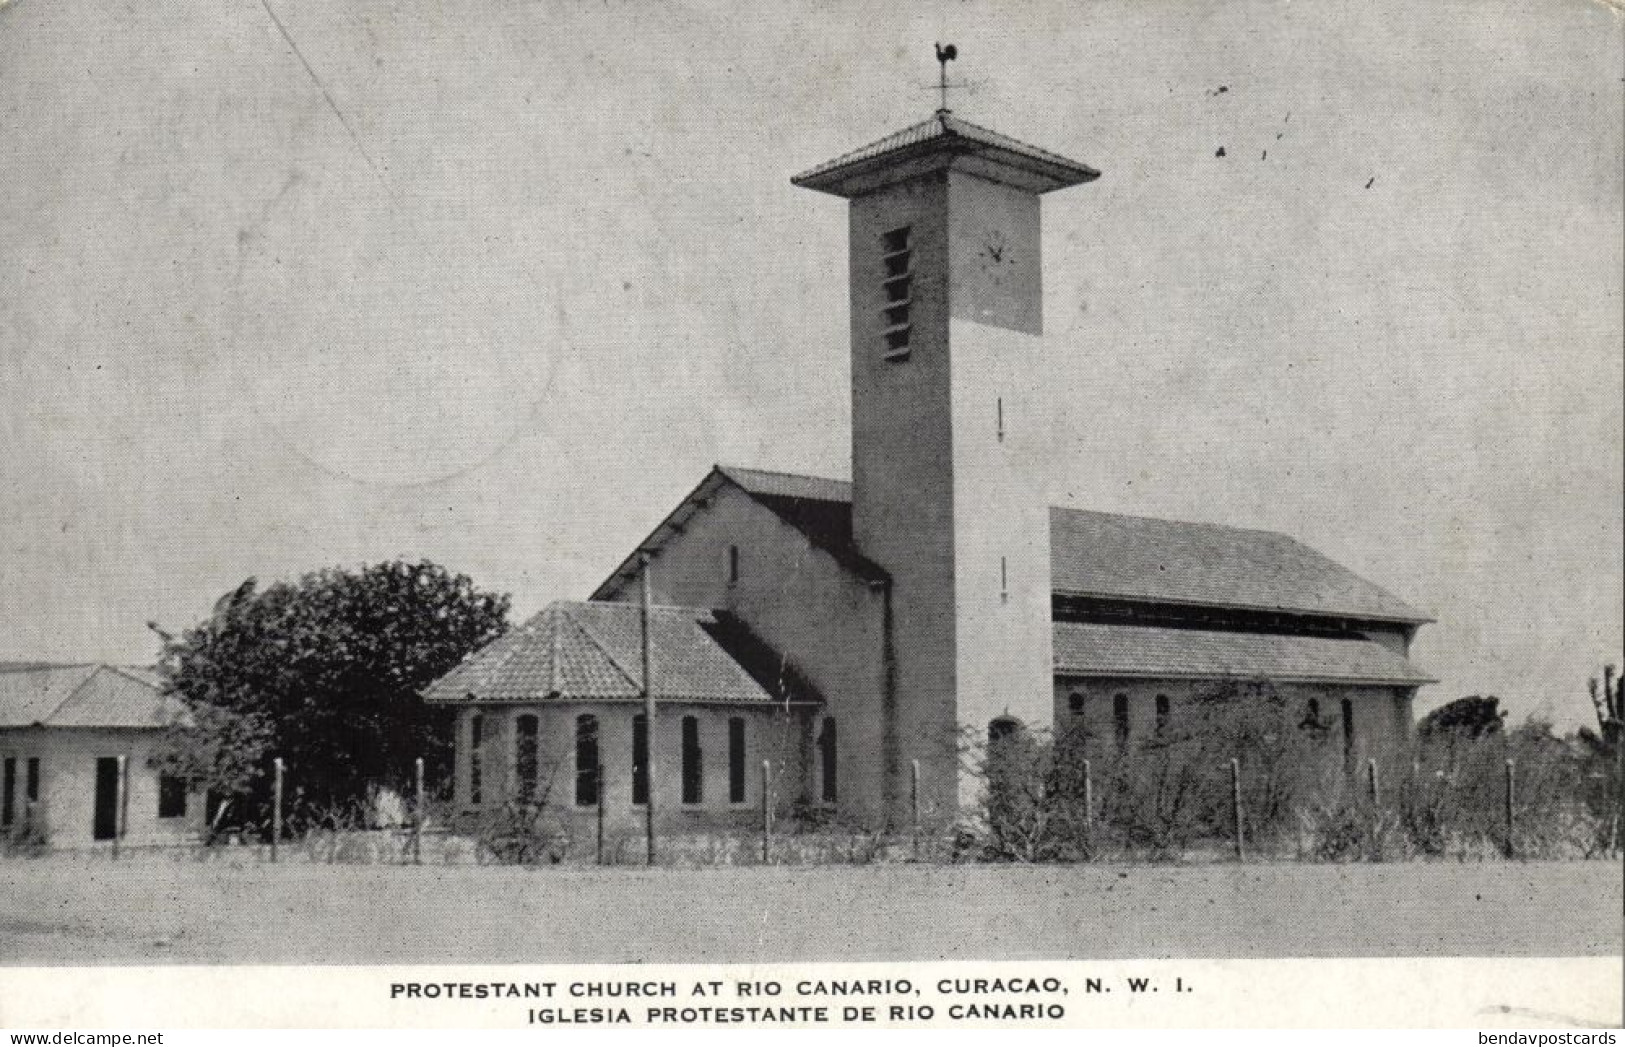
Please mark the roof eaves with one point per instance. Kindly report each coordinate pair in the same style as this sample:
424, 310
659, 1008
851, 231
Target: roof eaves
1075, 672
1416, 618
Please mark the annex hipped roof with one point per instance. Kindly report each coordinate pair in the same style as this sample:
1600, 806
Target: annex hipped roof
1129, 651
87, 695
592, 650
1102, 555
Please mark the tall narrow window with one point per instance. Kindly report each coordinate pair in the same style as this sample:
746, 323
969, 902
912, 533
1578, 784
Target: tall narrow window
525, 757
733, 564
999, 419
897, 256
1004, 580
8, 791
1311, 715
640, 759
1348, 732
171, 796
1164, 711
693, 765
827, 761
31, 794
1120, 719
476, 728
736, 759
586, 760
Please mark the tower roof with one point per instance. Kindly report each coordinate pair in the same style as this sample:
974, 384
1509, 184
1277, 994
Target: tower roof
945, 140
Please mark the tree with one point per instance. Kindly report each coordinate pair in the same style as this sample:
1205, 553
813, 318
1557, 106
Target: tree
327, 673
1463, 720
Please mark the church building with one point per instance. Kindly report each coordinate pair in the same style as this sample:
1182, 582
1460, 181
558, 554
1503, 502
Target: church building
851, 632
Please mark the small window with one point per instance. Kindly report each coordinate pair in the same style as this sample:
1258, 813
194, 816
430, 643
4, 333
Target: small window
640, 759
733, 565
1164, 711
1311, 716
586, 760
897, 260
32, 793
1074, 704
1002, 729
1004, 580
998, 418
736, 760
1348, 732
8, 791
171, 796
476, 728
827, 761
693, 764
1120, 719
526, 757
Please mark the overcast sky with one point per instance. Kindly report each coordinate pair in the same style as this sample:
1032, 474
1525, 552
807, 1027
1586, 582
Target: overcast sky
495, 283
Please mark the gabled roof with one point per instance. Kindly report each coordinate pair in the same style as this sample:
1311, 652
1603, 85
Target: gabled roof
1037, 169
1092, 554
593, 651
819, 508
1129, 651
38, 694
1165, 561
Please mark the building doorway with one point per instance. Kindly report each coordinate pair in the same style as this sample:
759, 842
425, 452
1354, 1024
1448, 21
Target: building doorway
106, 817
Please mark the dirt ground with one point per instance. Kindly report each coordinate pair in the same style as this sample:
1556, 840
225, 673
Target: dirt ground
159, 909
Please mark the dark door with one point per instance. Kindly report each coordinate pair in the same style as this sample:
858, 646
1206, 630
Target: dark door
106, 798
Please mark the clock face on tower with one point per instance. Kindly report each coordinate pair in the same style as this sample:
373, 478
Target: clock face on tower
996, 256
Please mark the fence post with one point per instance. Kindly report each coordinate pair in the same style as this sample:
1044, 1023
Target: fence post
598, 788
1510, 849
417, 812
914, 802
276, 804
1088, 806
767, 812
120, 799
1235, 803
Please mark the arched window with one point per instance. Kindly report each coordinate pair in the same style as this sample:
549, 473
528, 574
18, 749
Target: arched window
827, 760
736, 759
587, 767
525, 756
640, 759
693, 765
1120, 719
476, 732
1164, 712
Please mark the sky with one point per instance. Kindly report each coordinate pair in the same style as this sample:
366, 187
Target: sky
290, 284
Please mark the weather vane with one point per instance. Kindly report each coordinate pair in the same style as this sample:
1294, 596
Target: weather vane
945, 53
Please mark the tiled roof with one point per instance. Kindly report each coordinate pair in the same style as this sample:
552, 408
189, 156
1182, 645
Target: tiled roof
89, 695
1164, 561
592, 650
943, 130
1146, 651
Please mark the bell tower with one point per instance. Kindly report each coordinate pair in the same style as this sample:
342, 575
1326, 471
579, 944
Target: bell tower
951, 431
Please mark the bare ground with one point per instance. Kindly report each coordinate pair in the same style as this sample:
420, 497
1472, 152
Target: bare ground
89, 910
